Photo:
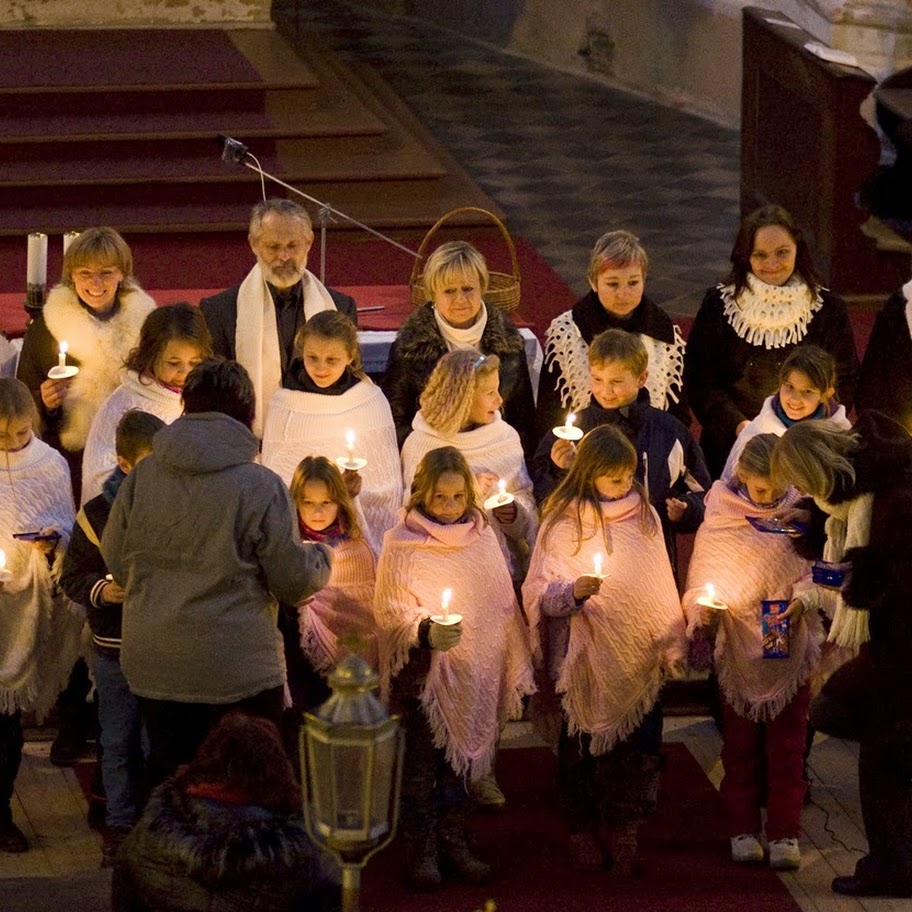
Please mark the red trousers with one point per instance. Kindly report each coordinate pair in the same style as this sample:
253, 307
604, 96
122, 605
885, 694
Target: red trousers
781, 742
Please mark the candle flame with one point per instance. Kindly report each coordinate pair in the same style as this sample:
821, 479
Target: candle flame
571, 419
349, 438
711, 592
502, 487
2, 559
445, 599
597, 563
64, 348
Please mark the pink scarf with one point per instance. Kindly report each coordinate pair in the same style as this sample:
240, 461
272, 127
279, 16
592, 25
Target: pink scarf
473, 688
342, 609
623, 638
746, 567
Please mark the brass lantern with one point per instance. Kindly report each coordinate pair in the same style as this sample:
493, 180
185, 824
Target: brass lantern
351, 768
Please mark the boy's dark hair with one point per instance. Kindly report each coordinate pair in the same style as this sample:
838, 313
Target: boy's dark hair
134, 434
215, 385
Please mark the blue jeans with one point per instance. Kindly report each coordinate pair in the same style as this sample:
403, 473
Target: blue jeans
122, 759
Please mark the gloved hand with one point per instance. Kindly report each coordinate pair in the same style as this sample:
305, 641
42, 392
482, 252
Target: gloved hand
443, 637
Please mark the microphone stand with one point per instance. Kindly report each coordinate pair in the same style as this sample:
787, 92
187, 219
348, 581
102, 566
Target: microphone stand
237, 153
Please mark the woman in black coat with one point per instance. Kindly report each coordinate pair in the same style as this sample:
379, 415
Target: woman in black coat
456, 277
862, 481
770, 303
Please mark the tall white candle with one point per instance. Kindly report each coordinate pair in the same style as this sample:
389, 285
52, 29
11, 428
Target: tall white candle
350, 443
36, 269
445, 604
68, 239
61, 357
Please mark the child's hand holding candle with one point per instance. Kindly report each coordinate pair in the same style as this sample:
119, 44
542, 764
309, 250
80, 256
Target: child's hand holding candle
712, 603
446, 618
499, 499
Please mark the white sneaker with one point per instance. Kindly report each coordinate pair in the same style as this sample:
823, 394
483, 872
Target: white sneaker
785, 855
746, 848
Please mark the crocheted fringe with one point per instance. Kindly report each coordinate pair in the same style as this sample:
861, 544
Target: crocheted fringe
313, 645
771, 707
474, 767
603, 741
851, 626
564, 346
771, 336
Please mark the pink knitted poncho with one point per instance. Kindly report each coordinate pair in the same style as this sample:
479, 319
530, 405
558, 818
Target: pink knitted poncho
622, 638
747, 566
476, 686
344, 607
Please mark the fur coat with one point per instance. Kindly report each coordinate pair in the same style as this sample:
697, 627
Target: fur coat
419, 346
97, 347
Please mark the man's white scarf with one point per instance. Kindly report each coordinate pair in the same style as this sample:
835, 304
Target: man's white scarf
256, 334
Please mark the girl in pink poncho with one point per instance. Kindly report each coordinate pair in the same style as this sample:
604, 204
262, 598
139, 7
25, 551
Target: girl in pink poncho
602, 595
339, 618
455, 684
765, 700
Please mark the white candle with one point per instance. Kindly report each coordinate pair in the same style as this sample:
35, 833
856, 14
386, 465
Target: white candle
61, 357
571, 420
36, 270
350, 444
68, 239
445, 604
5, 575
501, 490
2, 559
597, 563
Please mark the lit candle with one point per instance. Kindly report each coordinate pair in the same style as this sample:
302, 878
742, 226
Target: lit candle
710, 599
5, 575
445, 604
36, 269
597, 563
501, 490
350, 444
61, 357
568, 430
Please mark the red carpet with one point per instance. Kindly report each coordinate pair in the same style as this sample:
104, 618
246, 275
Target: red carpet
684, 849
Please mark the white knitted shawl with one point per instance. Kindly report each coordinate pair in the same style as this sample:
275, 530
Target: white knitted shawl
476, 686
493, 448
344, 607
747, 566
302, 424
256, 333
101, 346
768, 422
624, 637
100, 458
565, 346
39, 626
771, 316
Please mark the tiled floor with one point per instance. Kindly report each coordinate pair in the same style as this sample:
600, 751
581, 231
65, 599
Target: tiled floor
565, 156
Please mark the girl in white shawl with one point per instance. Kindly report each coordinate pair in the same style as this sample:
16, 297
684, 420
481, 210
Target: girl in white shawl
38, 633
331, 399
460, 407
172, 341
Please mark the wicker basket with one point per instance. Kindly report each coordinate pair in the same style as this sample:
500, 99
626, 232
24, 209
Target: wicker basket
503, 289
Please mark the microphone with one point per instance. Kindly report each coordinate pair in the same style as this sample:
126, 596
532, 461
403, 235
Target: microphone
232, 149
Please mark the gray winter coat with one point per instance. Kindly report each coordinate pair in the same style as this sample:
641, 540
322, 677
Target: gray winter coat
204, 541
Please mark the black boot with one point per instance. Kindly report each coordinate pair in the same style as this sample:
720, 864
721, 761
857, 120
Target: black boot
454, 849
421, 861
12, 839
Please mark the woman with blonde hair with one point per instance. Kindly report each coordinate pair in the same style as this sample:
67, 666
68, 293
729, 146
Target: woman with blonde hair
460, 406
455, 318
861, 481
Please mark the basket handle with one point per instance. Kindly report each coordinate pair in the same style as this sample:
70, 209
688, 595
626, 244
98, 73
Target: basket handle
443, 218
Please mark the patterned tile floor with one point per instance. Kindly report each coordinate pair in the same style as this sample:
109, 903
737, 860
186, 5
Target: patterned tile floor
566, 157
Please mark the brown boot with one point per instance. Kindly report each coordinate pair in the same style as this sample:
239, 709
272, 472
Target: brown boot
585, 852
621, 841
455, 853
421, 862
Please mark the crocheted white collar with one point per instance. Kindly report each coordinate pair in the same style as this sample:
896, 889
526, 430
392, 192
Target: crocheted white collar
772, 316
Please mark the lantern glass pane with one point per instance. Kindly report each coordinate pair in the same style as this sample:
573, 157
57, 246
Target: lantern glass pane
351, 762
384, 770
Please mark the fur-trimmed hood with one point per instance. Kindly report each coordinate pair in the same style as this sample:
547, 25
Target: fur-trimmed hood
99, 347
